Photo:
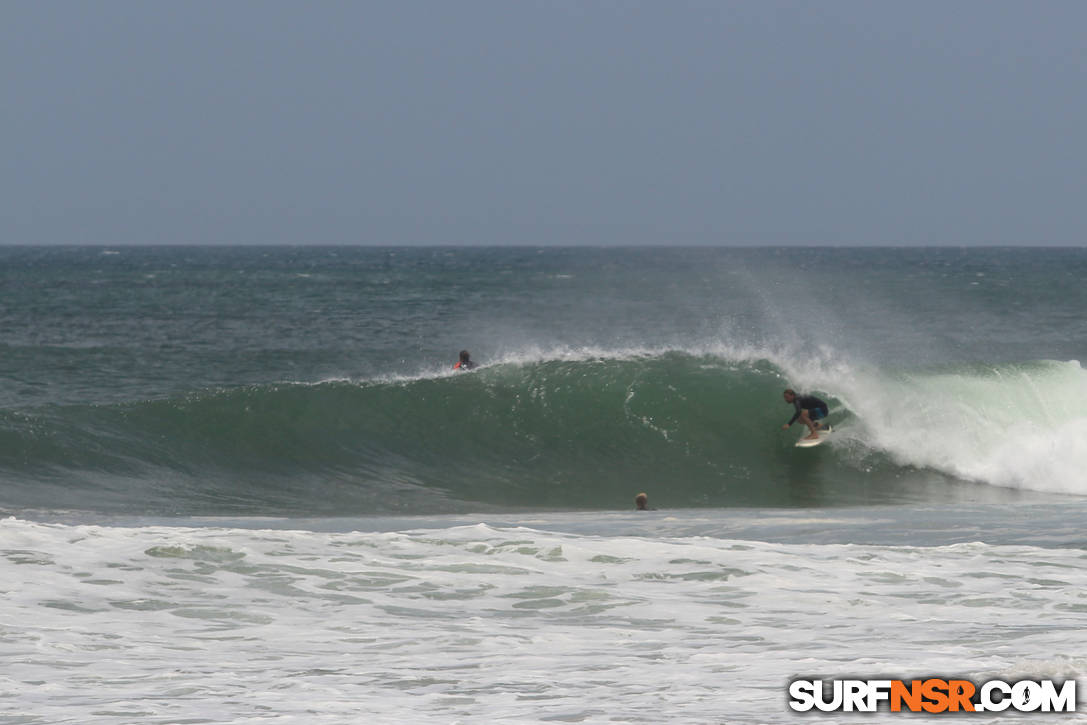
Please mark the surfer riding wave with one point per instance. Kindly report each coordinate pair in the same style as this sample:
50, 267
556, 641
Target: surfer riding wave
809, 409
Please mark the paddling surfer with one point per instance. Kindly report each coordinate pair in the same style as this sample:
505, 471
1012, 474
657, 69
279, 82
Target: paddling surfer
465, 362
809, 409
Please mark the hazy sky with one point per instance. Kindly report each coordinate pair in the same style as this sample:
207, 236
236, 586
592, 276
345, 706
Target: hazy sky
516, 122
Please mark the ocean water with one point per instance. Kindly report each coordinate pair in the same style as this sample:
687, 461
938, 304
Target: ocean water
244, 485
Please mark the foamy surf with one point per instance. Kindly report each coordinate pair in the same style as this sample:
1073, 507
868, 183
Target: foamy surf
1014, 425
440, 625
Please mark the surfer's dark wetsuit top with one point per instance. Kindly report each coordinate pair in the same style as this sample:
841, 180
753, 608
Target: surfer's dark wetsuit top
809, 402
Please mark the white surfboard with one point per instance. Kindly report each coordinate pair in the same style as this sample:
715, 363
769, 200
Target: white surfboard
806, 442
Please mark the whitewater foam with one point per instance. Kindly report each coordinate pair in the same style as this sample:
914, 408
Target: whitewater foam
502, 623
1014, 425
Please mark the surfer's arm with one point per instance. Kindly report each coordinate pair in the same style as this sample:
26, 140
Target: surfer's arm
795, 416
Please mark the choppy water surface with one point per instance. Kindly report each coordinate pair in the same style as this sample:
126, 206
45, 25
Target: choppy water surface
245, 485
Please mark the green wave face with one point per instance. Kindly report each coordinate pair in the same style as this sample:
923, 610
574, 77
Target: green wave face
690, 430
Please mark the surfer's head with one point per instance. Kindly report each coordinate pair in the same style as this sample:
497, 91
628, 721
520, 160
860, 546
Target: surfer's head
789, 395
641, 502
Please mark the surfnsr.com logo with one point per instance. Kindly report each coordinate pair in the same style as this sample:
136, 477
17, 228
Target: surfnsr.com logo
932, 695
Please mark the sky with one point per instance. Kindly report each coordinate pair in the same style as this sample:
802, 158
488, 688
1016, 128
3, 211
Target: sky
835, 122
